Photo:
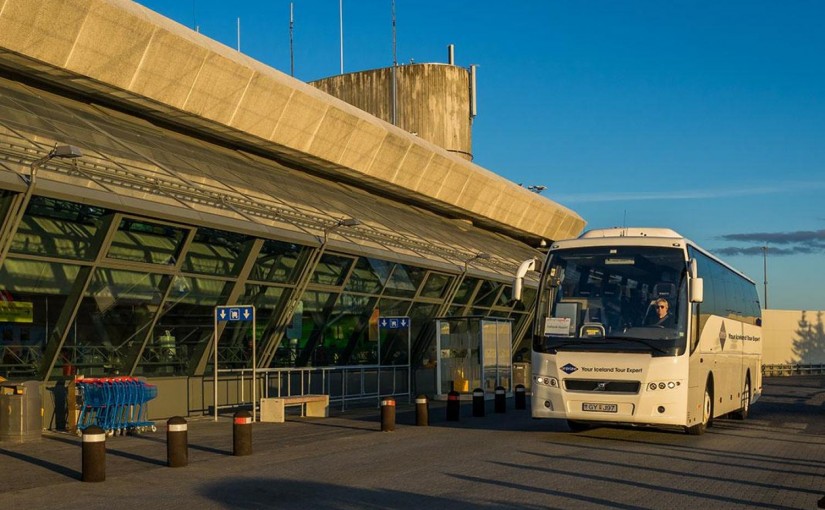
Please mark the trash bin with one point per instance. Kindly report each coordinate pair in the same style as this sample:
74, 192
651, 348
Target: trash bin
21, 415
522, 374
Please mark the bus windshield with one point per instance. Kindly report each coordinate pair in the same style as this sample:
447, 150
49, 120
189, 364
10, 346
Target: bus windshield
614, 299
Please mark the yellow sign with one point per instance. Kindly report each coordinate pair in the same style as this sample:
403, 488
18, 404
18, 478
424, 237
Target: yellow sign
16, 311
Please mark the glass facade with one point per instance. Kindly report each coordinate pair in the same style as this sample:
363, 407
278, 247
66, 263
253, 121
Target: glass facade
147, 307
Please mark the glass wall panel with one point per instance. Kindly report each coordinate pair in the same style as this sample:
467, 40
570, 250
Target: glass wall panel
528, 297
112, 323
465, 291
456, 311
186, 325
487, 293
6, 199
388, 307
347, 338
141, 241
216, 252
54, 228
33, 295
521, 345
279, 262
436, 285
331, 270
422, 318
268, 301
369, 276
316, 307
505, 296
405, 280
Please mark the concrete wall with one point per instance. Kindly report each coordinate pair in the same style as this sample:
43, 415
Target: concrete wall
793, 336
432, 101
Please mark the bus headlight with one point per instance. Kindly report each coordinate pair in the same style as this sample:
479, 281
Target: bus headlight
544, 380
660, 385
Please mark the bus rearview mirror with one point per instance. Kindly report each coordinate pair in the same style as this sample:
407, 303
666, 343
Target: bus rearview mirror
518, 281
697, 290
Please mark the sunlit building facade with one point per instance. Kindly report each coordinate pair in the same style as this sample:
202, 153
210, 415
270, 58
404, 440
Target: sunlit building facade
114, 255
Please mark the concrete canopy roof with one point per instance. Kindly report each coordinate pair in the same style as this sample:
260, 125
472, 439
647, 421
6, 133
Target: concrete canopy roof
124, 54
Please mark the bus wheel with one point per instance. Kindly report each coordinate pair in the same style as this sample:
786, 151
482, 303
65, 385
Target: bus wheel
742, 413
577, 426
707, 412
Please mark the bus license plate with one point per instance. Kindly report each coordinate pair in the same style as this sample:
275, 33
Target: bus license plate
600, 408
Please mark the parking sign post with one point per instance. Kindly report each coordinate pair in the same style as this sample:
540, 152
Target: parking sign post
236, 313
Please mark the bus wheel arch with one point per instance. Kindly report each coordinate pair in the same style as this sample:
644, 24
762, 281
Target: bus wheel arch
707, 410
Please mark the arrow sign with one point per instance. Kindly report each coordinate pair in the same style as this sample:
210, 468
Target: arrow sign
395, 322
234, 313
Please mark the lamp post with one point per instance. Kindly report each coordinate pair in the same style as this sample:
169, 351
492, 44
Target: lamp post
344, 222
477, 256
18, 208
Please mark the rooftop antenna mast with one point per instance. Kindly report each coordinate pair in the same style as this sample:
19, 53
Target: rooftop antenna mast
291, 46
239, 35
341, 29
394, 69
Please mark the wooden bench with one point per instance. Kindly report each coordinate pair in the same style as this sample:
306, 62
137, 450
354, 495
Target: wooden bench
272, 409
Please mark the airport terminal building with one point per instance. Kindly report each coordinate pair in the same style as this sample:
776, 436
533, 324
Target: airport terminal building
149, 174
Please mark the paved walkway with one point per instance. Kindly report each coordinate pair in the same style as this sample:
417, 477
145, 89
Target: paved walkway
774, 460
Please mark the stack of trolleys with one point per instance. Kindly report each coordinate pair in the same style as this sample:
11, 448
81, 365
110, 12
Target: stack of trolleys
116, 404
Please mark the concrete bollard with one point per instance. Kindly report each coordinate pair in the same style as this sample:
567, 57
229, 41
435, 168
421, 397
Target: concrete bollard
94, 455
521, 397
422, 411
478, 403
177, 442
388, 415
453, 406
501, 400
242, 434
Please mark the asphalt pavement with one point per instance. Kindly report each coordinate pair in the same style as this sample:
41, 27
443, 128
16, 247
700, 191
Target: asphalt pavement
775, 460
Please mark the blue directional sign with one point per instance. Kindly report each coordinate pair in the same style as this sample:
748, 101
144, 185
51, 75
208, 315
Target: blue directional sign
234, 313
394, 322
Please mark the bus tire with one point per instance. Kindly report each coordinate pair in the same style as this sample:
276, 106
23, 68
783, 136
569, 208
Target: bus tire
707, 414
577, 426
743, 412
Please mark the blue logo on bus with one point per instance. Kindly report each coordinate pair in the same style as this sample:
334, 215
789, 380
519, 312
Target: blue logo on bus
569, 368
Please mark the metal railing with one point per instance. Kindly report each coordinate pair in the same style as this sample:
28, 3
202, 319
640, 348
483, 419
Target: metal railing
786, 369
343, 384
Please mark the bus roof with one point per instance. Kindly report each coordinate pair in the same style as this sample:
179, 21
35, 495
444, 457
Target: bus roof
631, 232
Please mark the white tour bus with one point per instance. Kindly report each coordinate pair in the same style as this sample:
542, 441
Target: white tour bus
603, 351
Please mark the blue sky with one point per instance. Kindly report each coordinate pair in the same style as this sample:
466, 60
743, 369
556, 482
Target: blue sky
702, 116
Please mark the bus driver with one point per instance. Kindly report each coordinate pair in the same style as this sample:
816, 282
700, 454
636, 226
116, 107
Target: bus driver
664, 317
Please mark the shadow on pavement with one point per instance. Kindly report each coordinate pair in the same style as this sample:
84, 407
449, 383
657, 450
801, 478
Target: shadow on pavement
284, 493
57, 468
